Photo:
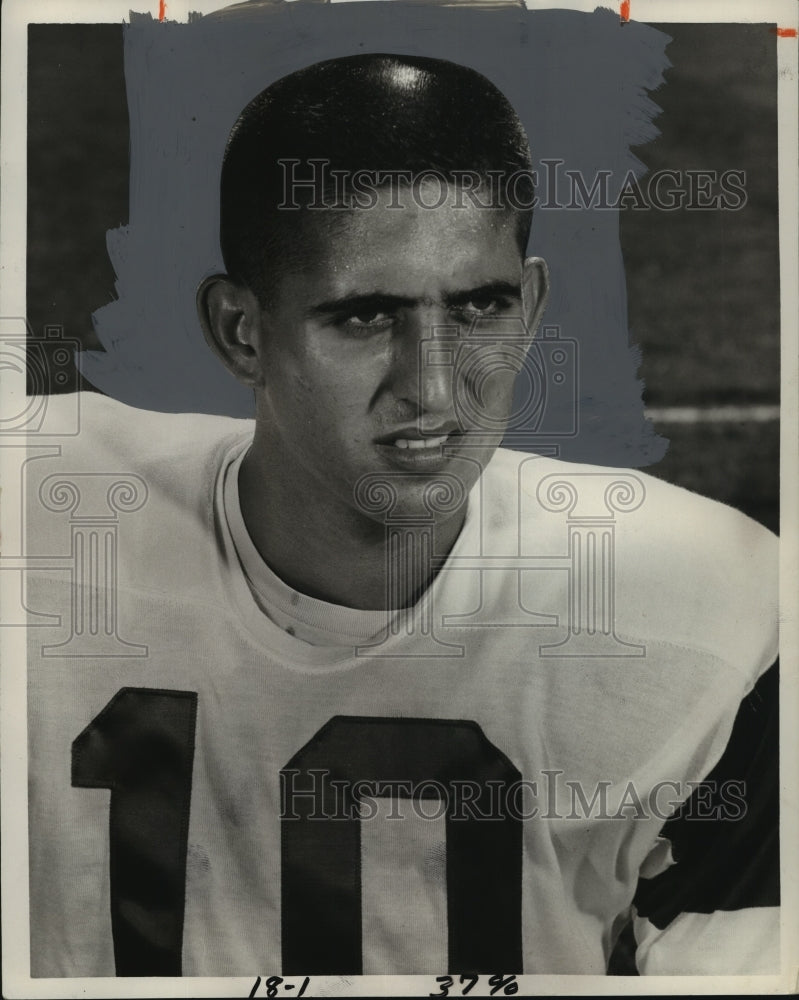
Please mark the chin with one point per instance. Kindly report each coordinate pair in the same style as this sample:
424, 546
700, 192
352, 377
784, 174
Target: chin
411, 500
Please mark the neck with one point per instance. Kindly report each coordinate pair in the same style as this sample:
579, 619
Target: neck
332, 552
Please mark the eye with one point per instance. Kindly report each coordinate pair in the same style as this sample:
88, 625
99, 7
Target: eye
367, 321
482, 305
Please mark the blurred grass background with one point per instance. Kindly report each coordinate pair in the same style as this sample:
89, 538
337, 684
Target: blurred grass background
77, 172
703, 286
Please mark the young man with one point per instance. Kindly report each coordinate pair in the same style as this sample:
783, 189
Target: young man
371, 694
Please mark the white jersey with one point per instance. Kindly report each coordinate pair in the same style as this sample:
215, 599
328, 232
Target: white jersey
482, 786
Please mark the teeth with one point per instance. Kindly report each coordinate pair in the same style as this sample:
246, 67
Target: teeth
415, 444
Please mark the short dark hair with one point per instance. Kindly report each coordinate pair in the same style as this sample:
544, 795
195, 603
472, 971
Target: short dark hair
376, 113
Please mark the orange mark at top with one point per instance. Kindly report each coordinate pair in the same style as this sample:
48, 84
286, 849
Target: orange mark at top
161, 9
785, 32
624, 10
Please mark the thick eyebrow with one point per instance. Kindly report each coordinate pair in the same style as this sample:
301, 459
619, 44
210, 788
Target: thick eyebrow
353, 304
384, 302
491, 290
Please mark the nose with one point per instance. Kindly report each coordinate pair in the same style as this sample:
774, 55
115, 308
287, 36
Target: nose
423, 362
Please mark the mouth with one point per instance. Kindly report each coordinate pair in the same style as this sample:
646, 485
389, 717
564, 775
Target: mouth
421, 444
415, 450
416, 439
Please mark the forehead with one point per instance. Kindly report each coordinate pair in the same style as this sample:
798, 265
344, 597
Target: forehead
422, 240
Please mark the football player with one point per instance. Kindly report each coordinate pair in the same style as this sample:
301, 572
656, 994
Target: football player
350, 688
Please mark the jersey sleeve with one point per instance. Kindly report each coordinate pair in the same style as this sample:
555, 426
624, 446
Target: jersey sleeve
707, 902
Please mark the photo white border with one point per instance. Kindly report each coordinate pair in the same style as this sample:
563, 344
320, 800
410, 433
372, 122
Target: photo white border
17, 14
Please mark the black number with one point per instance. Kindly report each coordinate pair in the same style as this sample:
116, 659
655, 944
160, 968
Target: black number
272, 984
472, 983
321, 851
445, 983
141, 746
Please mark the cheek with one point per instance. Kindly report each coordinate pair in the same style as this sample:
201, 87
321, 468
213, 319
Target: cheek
329, 402
344, 375
488, 385
299, 379
320, 377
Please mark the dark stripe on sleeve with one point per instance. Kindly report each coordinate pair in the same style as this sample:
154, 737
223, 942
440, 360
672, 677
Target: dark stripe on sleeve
725, 837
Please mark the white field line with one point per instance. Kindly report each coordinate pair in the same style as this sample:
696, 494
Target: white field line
712, 414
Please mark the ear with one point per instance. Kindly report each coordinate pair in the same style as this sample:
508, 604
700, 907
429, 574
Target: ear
230, 316
535, 292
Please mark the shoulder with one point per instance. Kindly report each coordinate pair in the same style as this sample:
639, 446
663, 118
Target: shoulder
95, 430
686, 570
108, 452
